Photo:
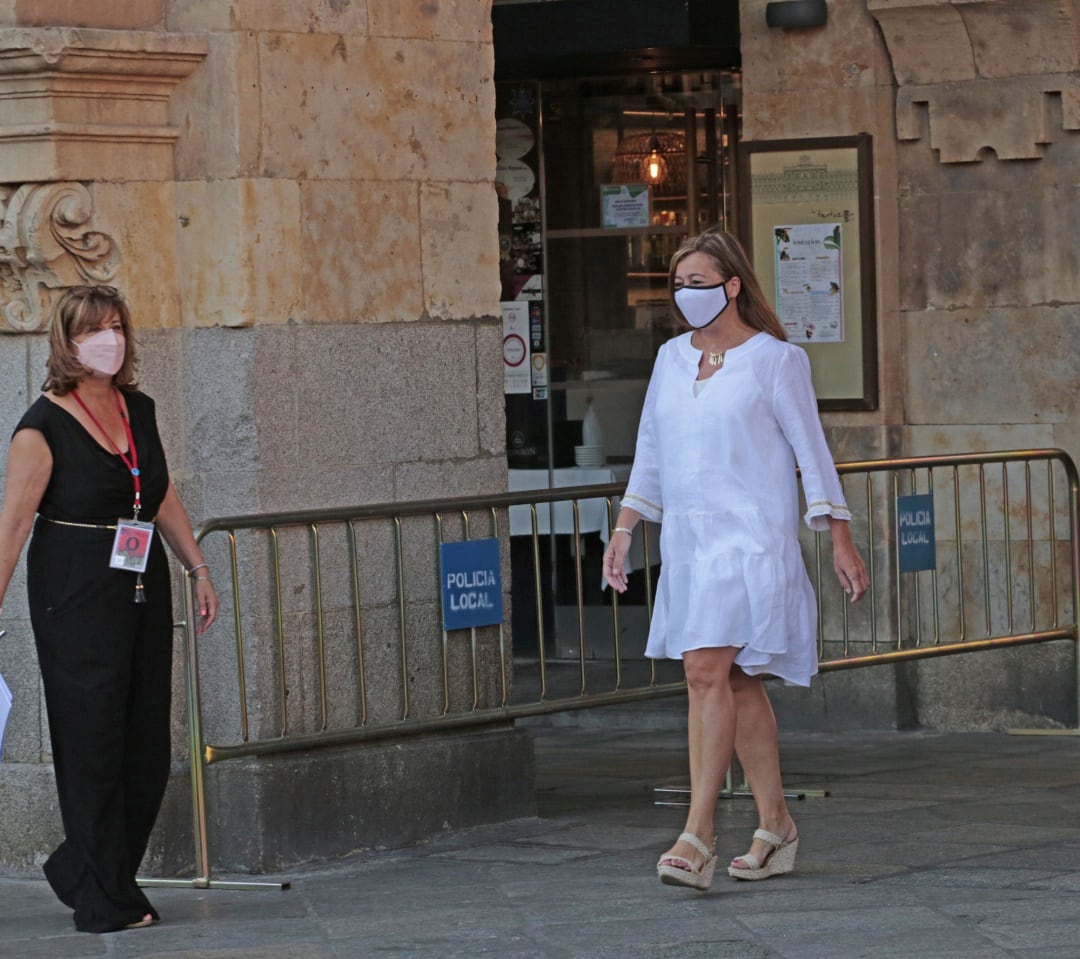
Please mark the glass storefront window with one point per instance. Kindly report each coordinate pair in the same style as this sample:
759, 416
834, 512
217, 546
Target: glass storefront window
631, 166
625, 168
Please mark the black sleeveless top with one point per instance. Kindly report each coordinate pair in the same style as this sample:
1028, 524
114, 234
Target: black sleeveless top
89, 484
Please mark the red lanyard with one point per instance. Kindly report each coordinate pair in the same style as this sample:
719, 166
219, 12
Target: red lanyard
131, 458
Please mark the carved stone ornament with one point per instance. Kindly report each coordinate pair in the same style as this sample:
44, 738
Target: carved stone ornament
46, 245
1002, 75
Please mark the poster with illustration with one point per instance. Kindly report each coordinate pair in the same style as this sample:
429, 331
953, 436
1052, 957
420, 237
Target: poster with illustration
809, 271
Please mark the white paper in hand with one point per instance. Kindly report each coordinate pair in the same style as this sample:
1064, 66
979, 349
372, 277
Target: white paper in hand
5, 708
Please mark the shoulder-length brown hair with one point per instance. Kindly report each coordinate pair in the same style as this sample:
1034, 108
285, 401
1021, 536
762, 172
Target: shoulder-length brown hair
81, 310
731, 260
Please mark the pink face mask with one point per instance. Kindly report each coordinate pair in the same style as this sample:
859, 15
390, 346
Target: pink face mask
102, 352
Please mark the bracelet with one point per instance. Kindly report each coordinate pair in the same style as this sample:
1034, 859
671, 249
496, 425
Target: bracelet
198, 567
202, 579
623, 529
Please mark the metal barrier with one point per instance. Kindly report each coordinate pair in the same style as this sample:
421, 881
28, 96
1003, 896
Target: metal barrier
331, 646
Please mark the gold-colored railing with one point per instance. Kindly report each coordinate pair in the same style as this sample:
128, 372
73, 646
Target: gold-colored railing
334, 613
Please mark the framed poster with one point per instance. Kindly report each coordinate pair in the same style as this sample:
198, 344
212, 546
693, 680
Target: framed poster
807, 221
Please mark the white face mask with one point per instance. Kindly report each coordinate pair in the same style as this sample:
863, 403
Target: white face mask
700, 305
102, 352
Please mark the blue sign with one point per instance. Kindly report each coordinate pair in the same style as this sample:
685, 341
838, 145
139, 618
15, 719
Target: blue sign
915, 532
471, 584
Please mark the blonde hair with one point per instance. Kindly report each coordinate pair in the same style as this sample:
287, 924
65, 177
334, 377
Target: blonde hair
82, 309
731, 260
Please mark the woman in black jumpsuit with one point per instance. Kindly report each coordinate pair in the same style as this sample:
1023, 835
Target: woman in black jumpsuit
104, 635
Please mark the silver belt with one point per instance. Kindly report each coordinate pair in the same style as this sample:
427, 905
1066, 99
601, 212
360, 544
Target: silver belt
64, 522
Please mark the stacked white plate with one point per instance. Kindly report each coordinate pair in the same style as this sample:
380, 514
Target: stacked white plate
589, 455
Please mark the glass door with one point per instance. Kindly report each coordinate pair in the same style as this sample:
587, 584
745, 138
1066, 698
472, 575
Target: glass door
629, 167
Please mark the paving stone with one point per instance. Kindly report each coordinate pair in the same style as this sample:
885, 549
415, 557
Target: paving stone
906, 859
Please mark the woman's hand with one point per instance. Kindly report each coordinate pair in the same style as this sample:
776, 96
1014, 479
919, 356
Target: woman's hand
206, 603
850, 569
615, 560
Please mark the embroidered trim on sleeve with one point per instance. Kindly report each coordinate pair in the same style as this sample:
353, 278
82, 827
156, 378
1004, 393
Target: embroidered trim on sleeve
836, 510
651, 510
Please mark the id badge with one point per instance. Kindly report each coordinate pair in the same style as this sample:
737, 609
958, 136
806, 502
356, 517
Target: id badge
131, 548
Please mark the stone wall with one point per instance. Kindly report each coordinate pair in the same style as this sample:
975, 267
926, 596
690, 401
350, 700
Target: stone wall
974, 109
299, 207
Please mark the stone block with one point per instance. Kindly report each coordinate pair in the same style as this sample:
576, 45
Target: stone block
82, 157
230, 492
967, 119
383, 664
951, 353
383, 393
64, 116
459, 241
342, 108
221, 690
20, 387
1023, 234
927, 43
218, 365
824, 112
199, 16
302, 16
284, 490
437, 480
360, 255
851, 442
161, 377
847, 51
30, 828
1066, 436
933, 41
216, 111
281, 811
277, 409
109, 15
873, 697
141, 219
464, 20
489, 382
239, 243
936, 439
171, 850
1029, 37
37, 348
420, 555
1026, 687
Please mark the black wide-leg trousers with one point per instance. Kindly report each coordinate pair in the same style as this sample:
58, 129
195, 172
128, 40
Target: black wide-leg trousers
106, 664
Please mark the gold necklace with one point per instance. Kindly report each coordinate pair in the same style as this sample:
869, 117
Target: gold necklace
717, 359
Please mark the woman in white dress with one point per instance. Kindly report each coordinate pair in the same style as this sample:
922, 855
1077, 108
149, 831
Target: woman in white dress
729, 412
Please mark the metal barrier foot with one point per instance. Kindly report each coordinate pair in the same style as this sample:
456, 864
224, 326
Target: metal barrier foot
150, 883
741, 793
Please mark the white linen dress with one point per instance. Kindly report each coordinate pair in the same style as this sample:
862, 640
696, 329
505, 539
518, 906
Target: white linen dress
716, 467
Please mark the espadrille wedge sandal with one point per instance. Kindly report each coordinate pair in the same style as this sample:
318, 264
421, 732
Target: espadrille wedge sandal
678, 871
781, 860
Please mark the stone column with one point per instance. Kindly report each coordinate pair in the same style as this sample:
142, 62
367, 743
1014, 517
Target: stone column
86, 163
314, 275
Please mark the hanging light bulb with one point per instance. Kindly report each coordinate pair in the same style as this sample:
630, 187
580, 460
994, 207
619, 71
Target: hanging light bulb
654, 167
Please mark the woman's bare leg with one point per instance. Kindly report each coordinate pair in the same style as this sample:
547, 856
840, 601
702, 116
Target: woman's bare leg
758, 751
711, 738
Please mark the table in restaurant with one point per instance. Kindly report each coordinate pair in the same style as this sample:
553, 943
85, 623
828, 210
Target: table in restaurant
592, 512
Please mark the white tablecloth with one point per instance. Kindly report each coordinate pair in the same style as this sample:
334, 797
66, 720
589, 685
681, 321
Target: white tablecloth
592, 512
